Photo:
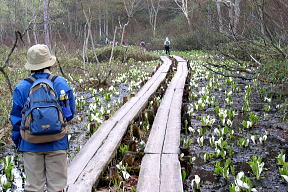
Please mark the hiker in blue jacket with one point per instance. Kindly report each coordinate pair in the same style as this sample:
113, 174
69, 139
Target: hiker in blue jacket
44, 163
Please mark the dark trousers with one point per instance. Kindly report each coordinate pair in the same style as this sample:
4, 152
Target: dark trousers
167, 49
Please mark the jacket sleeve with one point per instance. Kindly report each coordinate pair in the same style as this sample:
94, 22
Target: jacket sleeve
16, 117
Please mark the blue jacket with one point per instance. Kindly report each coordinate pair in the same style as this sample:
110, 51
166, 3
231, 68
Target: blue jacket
20, 96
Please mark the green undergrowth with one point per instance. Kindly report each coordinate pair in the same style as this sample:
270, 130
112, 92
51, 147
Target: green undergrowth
121, 54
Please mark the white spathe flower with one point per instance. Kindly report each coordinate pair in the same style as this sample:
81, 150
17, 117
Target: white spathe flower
205, 157
219, 141
285, 177
283, 157
260, 166
197, 179
237, 188
263, 139
217, 132
268, 99
190, 129
125, 174
253, 138
200, 140
212, 140
229, 122
249, 124
242, 184
218, 152
3, 179
240, 175
229, 93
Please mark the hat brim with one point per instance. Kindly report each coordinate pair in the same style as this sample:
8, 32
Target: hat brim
34, 67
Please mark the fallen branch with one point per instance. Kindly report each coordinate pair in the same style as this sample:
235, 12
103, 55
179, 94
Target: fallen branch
230, 68
18, 35
234, 76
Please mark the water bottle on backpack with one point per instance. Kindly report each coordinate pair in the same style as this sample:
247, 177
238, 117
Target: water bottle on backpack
64, 102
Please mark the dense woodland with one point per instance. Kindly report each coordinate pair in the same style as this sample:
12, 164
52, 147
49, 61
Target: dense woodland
191, 24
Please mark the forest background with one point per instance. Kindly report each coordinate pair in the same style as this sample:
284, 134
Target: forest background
191, 24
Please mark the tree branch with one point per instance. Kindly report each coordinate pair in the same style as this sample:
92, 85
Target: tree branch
234, 76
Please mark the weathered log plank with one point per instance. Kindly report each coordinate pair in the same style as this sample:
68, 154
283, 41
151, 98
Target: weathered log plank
172, 137
170, 178
164, 140
158, 131
150, 180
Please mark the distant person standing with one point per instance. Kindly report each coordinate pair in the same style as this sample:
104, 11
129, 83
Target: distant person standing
167, 45
107, 41
142, 45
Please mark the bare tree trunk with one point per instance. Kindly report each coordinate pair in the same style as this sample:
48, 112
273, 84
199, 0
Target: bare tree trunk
114, 37
106, 23
69, 22
183, 5
123, 31
220, 19
84, 50
89, 35
236, 15
231, 16
100, 28
153, 10
130, 7
26, 17
1, 32
34, 33
261, 15
46, 25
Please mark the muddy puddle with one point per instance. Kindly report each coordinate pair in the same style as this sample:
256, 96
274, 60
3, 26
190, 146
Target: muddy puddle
269, 124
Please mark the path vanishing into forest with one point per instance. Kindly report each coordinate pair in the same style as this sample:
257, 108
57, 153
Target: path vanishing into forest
160, 167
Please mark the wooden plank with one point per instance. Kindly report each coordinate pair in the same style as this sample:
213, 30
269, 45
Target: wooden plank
98, 142
149, 176
128, 118
85, 154
170, 178
157, 133
93, 170
156, 137
172, 137
164, 140
181, 82
179, 59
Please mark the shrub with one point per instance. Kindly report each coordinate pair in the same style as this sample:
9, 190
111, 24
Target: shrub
197, 40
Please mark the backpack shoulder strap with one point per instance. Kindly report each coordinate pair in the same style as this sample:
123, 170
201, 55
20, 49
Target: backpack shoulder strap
52, 77
31, 79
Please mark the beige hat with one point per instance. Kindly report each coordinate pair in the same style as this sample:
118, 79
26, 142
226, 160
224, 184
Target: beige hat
39, 57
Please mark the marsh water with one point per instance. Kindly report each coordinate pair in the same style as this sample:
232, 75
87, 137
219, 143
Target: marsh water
269, 124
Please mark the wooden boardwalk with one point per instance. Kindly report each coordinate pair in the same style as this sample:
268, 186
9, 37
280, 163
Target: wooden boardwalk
85, 169
160, 168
